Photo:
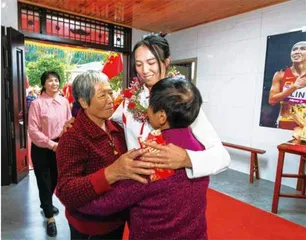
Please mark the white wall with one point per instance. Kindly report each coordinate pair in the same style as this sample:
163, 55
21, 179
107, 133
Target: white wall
231, 57
9, 13
136, 36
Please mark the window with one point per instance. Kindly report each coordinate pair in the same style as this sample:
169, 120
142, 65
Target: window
37, 22
30, 20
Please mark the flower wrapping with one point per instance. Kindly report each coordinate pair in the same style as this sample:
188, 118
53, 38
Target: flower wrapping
117, 101
135, 105
156, 136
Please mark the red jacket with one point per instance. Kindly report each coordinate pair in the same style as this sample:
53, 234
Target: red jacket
172, 208
82, 154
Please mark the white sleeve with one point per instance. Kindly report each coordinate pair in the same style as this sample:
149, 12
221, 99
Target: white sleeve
117, 115
215, 158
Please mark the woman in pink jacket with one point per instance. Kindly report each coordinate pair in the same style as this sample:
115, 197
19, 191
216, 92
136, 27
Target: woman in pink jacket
47, 115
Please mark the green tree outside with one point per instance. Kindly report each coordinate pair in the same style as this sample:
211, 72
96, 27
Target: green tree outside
44, 58
116, 82
45, 63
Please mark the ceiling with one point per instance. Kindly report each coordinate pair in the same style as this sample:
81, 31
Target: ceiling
156, 15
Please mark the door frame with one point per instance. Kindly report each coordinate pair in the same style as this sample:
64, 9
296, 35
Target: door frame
194, 63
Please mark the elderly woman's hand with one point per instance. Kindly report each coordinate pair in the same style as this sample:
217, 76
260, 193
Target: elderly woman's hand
125, 167
67, 125
169, 156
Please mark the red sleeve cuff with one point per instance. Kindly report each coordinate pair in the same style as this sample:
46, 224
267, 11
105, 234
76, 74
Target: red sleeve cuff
99, 182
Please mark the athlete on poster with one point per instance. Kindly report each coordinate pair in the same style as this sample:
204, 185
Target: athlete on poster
284, 88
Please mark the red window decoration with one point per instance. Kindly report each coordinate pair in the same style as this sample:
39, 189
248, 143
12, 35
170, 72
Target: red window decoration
65, 27
30, 21
77, 29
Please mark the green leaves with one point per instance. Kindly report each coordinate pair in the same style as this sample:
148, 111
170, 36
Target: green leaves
116, 82
42, 57
45, 63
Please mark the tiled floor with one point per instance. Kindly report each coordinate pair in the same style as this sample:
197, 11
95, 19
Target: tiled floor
21, 217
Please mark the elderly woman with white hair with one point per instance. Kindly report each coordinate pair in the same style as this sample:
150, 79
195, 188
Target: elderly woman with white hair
91, 156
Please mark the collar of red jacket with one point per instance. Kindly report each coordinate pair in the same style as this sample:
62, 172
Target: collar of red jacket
92, 129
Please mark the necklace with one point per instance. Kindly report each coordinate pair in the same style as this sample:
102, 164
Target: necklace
111, 141
112, 144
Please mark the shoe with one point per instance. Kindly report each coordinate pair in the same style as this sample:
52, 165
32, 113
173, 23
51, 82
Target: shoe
51, 229
55, 210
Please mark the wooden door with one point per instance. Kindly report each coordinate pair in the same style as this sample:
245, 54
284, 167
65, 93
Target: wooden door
17, 101
6, 149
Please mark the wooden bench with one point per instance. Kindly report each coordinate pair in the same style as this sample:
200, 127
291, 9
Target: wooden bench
254, 160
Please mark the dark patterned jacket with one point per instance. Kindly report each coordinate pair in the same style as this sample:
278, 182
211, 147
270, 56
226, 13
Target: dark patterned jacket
172, 208
82, 154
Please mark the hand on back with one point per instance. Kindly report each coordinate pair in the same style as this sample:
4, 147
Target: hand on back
67, 125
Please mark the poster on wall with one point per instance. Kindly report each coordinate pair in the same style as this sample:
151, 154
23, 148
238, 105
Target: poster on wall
284, 87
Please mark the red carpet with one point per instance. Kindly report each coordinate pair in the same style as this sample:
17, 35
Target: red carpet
228, 218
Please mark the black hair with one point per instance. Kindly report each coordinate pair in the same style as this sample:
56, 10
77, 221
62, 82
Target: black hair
157, 45
179, 98
45, 76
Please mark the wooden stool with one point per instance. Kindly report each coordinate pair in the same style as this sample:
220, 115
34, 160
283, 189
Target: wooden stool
293, 147
254, 168
300, 185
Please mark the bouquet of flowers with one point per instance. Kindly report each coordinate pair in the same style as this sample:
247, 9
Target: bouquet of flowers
173, 72
135, 106
299, 115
